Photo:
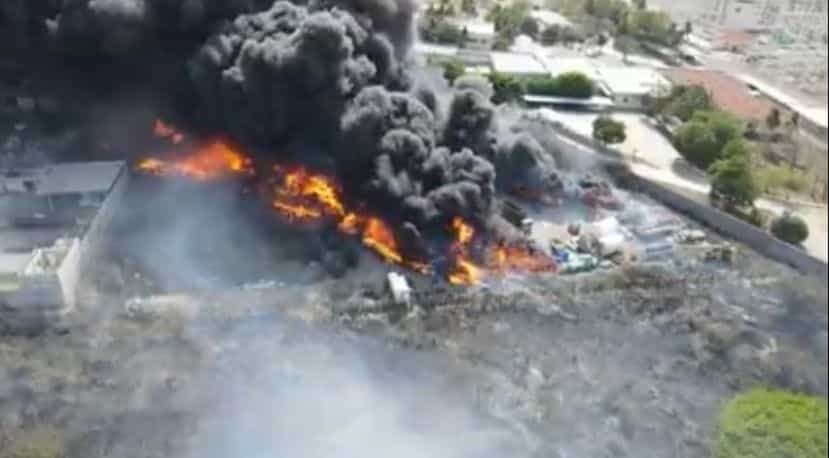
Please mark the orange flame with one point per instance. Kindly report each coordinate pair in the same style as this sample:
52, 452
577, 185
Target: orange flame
499, 259
306, 196
301, 195
164, 130
215, 159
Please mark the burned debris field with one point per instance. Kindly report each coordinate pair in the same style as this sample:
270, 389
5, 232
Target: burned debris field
301, 243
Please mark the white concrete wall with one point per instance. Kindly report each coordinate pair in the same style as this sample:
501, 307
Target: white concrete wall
69, 274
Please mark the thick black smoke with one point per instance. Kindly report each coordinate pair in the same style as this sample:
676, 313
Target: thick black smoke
304, 77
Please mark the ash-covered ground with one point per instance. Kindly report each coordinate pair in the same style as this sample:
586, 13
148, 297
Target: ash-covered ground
254, 349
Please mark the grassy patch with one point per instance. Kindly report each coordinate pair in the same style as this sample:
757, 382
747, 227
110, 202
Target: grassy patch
772, 424
37, 443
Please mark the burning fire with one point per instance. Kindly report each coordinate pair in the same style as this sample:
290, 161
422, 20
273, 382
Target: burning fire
300, 195
209, 161
164, 130
498, 259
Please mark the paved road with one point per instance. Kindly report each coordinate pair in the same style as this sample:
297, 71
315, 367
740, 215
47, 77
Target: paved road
651, 155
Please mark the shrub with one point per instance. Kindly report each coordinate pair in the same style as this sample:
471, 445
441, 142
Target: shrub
609, 131
791, 229
573, 84
772, 424
732, 179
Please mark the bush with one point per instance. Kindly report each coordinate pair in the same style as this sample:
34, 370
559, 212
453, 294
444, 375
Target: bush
39, 443
573, 84
453, 70
609, 131
791, 229
703, 139
505, 88
772, 424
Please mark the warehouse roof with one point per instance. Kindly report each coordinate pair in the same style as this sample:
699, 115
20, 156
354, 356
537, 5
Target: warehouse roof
517, 64
632, 80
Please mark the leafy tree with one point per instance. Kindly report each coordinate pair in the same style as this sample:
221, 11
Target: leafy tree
469, 7
452, 70
703, 139
505, 88
552, 35
443, 31
641, 5
772, 424
687, 100
530, 27
790, 228
653, 26
732, 180
609, 131
773, 119
574, 84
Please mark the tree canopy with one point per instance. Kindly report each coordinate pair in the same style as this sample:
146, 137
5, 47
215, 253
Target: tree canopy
732, 180
505, 88
772, 424
453, 70
702, 140
684, 101
790, 228
609, 131
572, 84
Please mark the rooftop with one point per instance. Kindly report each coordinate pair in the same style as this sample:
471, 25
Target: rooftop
728, 93
67, 178
632, 80
559, 65
548, 18
517, 64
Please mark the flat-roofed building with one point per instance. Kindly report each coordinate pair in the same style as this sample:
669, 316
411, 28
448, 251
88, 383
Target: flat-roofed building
52, 224
517, 64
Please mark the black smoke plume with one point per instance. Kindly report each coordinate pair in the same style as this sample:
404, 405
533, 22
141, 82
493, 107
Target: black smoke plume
326, 81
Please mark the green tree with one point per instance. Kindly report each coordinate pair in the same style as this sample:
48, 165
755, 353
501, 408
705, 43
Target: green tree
772, 424
574, 84
453, 70
687, 100
609, 131
469, 7
773, 119
702, 140
505, 88
551, 35
732, 181
790, 228
530, 27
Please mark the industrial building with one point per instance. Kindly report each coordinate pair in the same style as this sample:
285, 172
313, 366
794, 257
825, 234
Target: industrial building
52, 224
631, 87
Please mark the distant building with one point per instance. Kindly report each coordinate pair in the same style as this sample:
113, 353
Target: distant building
52, 221
631, 87
727, 92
